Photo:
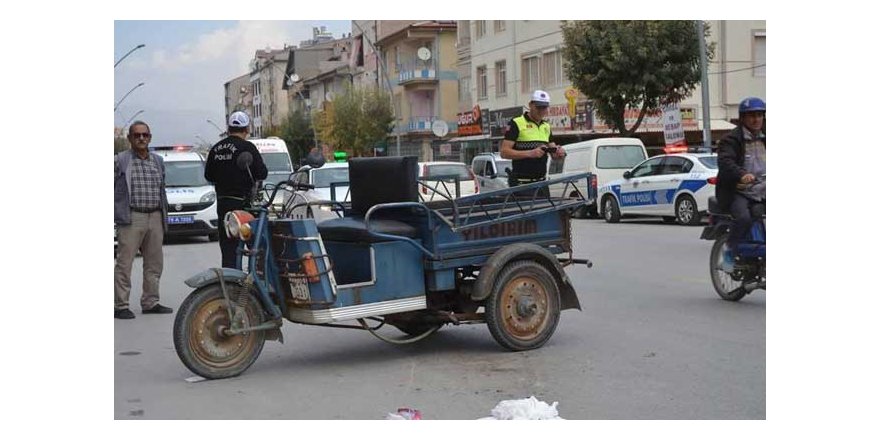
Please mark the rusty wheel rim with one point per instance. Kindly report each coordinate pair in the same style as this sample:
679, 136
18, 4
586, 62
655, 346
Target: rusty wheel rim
524, 307
208, 342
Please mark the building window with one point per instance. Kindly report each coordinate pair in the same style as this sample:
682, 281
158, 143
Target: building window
481, 28
464, 89
759, 53
552, 69
531, 74
500, 26
501, 78
482, 83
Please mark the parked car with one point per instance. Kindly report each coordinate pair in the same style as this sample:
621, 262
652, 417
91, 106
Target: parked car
440, 178
330, 183
192, 202
490, 171
606, 158
676, 187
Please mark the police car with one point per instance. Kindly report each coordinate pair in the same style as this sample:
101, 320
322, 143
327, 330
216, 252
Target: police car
192, 202
676, 187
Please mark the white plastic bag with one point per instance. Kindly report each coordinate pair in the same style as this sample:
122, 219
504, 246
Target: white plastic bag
524, 409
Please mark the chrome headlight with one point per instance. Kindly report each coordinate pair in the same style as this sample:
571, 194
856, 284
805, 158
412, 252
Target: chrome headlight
209, 197
238, 224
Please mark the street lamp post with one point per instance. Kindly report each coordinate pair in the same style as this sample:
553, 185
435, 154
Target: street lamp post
222, 132
129, 53
126, 96
132, 118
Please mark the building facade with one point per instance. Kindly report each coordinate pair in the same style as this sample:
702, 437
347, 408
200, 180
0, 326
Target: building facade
502, 61
419, 63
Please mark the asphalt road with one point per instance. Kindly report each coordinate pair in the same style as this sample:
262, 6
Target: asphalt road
653, 342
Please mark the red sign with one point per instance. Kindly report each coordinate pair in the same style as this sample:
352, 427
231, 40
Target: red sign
470, 123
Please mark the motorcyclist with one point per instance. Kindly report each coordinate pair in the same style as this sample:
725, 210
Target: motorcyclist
741, 171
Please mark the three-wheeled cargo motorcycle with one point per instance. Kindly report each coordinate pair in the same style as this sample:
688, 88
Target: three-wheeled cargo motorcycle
388, 261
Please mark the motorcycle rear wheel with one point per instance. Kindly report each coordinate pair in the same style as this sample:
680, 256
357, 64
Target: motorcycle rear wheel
726, 287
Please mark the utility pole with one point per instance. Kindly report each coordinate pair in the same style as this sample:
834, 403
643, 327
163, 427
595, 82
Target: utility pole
387, 83
704, 87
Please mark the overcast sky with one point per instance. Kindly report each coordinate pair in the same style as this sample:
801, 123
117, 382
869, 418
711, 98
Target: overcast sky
184, 66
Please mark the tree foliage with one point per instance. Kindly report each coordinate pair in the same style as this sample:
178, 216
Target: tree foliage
632, 64
297, 133
356, 120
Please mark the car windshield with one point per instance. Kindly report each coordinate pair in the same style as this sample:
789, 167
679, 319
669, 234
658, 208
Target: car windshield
185, 173
449, 170
503, 165
275, 178
277, 162
710, 162
323, 177
619, 156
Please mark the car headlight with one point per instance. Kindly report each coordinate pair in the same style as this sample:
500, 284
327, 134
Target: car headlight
238, 224
209, 197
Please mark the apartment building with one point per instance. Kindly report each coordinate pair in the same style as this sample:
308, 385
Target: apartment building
269, 106
419, 63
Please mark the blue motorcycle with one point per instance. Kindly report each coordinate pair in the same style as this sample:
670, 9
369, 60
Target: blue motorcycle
749, 271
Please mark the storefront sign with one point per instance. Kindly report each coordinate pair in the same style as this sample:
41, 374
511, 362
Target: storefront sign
498, 120
652, 121
470, 123
673, 131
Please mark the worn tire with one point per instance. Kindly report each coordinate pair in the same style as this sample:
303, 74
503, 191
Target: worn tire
686, 211
725, 286
522, 311
199, 344
610, 210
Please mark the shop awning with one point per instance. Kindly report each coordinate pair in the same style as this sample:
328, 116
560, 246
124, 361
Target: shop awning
716, 124
476, 137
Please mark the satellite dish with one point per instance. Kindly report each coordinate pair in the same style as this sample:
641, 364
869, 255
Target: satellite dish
294, 77
424, 53
440, 128
329, 96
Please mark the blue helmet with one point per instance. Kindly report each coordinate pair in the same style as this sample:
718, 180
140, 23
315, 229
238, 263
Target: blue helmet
752, 105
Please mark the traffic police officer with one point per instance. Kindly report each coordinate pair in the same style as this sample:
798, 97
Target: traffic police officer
527, 142
233, 185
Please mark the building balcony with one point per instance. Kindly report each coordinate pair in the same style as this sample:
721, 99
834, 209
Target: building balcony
422, 124
405, 77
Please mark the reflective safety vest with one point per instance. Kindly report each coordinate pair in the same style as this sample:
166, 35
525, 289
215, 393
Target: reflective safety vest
531, 135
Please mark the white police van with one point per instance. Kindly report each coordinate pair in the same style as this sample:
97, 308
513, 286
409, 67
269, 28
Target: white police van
192, 202
276, 157
676, 187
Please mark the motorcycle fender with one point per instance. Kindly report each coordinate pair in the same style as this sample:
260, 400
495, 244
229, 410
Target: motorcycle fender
209, 276
525, 251
236, 276
713, 232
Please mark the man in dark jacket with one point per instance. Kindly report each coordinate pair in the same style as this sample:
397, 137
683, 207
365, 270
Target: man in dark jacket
741, 162
233, 185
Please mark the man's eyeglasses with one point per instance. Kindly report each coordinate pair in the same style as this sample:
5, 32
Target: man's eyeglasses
140, 135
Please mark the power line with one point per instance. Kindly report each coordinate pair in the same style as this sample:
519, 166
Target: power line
739, 70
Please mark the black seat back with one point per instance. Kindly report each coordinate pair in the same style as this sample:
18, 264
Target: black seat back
376, 180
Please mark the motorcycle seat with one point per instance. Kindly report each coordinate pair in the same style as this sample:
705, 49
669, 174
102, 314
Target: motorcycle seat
354, 230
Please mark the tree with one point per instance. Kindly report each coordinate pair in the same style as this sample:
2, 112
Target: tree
120, 142
624, 65
356, 120
297, 133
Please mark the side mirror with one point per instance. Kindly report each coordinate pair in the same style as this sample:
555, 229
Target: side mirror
244, 160
627, 174
315, 159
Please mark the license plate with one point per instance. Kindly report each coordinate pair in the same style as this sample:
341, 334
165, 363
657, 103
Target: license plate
180, 219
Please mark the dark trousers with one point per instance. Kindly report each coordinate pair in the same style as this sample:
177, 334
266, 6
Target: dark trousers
227, 244
742, 221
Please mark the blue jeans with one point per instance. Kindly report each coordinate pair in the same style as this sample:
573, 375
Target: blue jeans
742, 221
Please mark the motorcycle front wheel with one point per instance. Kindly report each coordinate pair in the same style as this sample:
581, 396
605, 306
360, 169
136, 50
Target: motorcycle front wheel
200, 340
727, 288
